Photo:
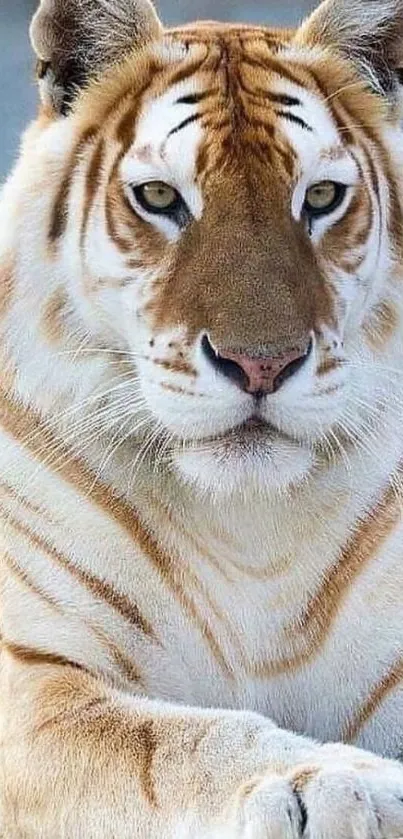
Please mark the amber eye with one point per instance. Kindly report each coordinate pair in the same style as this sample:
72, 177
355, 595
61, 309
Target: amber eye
157, 197
323, 198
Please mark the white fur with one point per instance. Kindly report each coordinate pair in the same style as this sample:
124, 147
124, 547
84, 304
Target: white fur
254, 533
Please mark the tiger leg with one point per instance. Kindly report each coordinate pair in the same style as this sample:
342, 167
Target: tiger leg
80, 760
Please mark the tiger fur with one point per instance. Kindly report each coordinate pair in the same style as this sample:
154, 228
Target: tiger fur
201, 577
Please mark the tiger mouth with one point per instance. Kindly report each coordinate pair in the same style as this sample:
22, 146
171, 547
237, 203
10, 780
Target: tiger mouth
254, 432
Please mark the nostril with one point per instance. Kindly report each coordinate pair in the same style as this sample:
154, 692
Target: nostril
225, 366
292, 367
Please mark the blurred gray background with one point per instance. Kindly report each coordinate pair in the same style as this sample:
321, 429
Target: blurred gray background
17, 88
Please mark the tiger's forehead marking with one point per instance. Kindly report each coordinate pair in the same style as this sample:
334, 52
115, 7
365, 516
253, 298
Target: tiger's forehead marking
171, 124
166, 142
231, 95
219, 59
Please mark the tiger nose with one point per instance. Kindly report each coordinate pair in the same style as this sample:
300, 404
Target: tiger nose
258, 375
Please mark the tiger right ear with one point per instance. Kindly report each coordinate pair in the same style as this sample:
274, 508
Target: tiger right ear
75, 40
367, 32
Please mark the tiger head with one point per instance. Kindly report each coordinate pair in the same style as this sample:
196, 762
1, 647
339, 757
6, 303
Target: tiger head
229, 216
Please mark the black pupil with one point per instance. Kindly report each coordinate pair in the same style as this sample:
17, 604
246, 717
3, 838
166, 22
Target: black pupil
160, 191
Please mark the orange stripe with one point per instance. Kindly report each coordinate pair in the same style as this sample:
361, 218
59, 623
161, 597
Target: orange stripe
53, 321
327, 366
381, 324
33, 434
380, 692
99, 588
30, 506
59, 214
22, 576
91, 185
122, 661
144, 747
30, 655
309, 631
125, 664
199, 548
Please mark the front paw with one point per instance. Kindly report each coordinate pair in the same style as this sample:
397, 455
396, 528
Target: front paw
342, 794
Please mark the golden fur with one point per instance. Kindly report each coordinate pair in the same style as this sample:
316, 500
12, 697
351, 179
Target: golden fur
196, 578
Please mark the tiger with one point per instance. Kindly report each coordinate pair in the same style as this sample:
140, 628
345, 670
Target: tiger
201, 300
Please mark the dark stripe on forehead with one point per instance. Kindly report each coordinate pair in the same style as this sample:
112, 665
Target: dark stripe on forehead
194, 98
125, 130
185, 70
184, 123
126, 125
283, 99
256, 124
273, 65
262, 96
292, 118
315, 82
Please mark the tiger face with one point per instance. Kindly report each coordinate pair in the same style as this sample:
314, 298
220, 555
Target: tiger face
228, 217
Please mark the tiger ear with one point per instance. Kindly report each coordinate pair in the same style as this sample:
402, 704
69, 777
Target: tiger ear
367, 32
75, 40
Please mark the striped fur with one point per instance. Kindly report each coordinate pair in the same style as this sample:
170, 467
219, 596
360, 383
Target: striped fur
159, 559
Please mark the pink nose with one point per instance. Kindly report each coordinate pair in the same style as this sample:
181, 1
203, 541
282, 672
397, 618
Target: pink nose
260, 374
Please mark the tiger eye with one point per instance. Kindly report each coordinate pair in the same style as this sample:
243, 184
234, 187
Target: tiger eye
158, 196
321, 196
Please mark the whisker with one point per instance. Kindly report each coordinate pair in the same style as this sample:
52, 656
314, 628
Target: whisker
341, 90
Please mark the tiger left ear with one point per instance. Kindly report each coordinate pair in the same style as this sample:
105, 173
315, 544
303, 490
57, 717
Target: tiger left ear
76, 40
367, 32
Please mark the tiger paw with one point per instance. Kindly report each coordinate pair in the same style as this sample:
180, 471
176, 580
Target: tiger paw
336, 797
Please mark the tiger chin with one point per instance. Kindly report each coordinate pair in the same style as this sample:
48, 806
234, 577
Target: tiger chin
201, 433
